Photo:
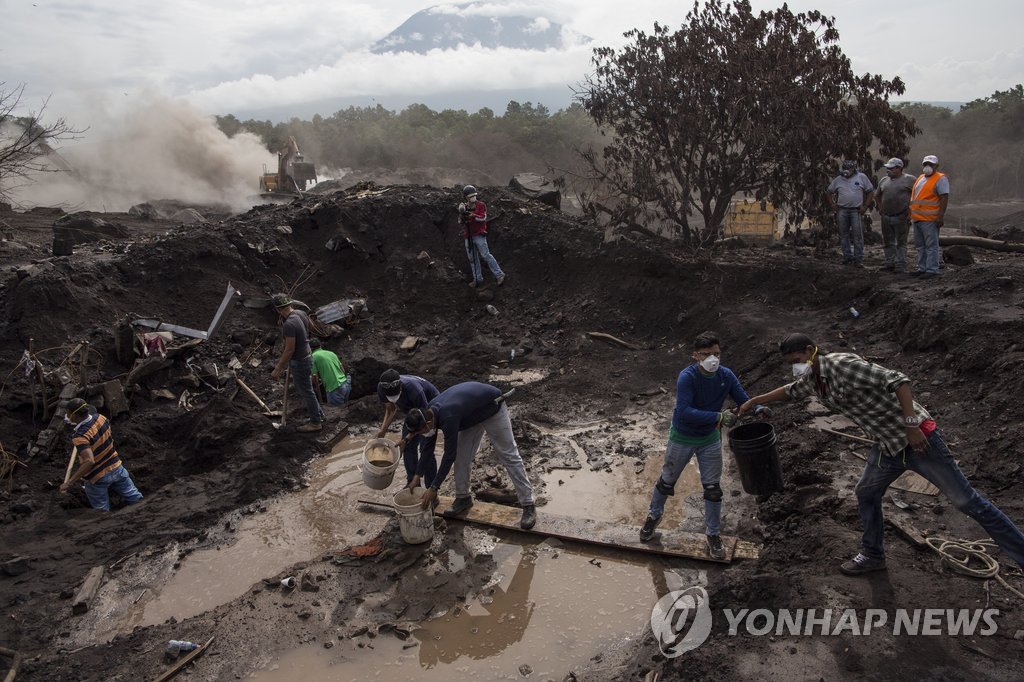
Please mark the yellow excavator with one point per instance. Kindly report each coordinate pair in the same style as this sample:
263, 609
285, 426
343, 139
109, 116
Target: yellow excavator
293, 173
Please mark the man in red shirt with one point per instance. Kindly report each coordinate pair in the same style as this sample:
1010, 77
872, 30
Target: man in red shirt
473, 214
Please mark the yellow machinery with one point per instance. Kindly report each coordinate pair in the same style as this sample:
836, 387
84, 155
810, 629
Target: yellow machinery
293, 173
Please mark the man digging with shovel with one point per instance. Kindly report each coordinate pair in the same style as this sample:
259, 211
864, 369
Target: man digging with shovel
298, 358
880, 401
464, 413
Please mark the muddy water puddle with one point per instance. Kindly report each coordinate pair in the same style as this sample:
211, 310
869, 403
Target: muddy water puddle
549, 608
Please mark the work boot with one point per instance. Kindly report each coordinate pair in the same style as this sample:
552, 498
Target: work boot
916, 273
309, 427
460, 506
529, 517
501, 280
647, 532
715, 547
860, 564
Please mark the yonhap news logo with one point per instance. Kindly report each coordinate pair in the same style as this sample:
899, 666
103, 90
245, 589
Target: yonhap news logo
681, 621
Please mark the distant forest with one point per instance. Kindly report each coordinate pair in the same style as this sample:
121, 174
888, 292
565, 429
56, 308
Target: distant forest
981, 146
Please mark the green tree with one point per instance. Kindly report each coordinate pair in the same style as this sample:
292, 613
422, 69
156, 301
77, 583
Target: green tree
732, 102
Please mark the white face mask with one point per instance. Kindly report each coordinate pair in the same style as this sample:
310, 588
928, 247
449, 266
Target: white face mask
801, 369
393, 398
927, 170
431, 433
710, 364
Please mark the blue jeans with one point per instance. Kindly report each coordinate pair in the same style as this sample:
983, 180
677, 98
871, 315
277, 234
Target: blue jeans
302, 377
120, 481
479, 250
894, 236
851, 228
339, 396
709, 461
926, 239
939, 467
425, 459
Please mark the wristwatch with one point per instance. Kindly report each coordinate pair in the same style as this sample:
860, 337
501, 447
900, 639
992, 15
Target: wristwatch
912, 421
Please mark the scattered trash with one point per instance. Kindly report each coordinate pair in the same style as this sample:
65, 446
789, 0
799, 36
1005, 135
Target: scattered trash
176, 647
218, 320
288, 583
491, 309
854, 313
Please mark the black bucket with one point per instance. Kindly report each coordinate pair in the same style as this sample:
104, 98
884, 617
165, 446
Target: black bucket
753, 445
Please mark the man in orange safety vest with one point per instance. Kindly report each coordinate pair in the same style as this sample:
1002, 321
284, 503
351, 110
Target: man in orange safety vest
928, 202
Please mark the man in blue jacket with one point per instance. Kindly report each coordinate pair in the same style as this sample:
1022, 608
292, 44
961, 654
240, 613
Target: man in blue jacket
697, 423
403, 393
464, 413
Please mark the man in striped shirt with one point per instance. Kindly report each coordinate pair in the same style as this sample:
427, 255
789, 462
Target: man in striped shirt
906, 436
99, 463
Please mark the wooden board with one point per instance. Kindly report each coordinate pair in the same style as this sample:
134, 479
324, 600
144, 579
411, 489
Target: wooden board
87, 592
665, 542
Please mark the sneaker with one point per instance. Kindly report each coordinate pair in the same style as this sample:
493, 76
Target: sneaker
647, 532
860, 564
715, 547
916, 273
460, 506
472, 285
857, 264
529, 517
309, 427
501, 280
847, 261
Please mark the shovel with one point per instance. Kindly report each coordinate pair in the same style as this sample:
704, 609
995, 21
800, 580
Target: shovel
284, 409
267, 412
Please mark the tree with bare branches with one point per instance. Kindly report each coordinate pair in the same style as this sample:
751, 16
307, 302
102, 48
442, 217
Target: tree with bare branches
762, 105
27, 142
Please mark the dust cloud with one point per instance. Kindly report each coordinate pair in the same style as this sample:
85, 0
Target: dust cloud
153, 149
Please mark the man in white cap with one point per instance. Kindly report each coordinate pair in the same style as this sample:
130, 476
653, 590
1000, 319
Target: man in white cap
928, 202
894, 211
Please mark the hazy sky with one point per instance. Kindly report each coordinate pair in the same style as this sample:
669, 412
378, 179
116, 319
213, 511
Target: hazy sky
233, 55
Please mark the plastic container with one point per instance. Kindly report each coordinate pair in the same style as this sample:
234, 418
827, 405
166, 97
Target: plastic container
380, 459
178, 646
753, 446
415, 522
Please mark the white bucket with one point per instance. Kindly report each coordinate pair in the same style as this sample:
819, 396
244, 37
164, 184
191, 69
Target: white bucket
415, 522
376, 475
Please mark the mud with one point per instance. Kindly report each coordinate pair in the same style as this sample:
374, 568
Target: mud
233, 505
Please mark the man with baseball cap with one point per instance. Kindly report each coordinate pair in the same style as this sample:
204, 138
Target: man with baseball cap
297, 356
906, 436
928, 202
894, 210
403, 393
98, 460
849, 194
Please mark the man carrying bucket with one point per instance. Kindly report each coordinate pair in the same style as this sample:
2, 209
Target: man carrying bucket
696, 430
464, 413
880, 401
402, 393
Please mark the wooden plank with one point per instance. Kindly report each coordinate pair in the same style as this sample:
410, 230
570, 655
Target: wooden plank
191, 656
88, 591
666, 542
900, 520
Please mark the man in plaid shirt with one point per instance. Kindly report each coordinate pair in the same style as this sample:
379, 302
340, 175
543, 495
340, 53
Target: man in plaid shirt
879, 400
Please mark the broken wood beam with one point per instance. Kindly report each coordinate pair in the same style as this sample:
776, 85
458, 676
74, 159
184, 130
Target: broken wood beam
87, 592
601, 336
191, 656
981, 243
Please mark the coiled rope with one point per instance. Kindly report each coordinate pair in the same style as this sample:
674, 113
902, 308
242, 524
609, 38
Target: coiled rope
959, 554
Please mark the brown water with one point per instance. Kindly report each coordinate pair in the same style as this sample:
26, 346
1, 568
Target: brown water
296, 527
550, 609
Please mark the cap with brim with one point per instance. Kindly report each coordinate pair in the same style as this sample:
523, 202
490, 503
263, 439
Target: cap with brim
794, 343
932, 159
894, 163
281, 300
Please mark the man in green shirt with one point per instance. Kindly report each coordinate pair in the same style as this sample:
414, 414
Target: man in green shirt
328, 371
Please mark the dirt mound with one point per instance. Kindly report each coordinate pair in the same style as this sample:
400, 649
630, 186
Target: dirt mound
198, 448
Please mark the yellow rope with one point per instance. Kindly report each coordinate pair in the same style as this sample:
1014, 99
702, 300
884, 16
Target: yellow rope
958, 555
